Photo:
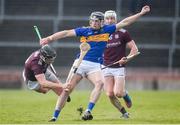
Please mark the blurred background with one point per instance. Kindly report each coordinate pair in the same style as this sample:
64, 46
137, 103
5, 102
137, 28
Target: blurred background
157, 35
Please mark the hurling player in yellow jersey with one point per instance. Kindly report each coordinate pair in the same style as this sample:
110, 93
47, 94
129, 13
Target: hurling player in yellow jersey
96, 35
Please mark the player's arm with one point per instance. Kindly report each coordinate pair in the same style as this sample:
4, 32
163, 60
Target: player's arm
133, 48
133, 51
127, 21
58, 35
47, 84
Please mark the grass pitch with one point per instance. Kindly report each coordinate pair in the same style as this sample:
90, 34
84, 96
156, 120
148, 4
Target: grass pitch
29, 107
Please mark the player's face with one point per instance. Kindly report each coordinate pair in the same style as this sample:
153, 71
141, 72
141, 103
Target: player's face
110, 20
95, 24
49, 60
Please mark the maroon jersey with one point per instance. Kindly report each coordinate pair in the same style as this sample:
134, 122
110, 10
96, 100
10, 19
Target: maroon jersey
34, 66
116, 47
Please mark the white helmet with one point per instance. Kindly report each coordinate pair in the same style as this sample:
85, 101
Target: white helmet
110, 13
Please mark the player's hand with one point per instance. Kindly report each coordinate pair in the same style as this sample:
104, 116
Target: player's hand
145, 10
67, 87
123, 61
44, 41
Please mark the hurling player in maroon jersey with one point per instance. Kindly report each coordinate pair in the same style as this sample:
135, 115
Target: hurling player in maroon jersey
114, 75
36, 73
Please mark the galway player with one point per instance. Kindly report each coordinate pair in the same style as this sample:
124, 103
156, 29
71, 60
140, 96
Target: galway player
114, 83
36, 73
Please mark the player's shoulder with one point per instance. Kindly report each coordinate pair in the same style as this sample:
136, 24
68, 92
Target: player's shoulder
35, 56
123, 32
108, 26
84, 27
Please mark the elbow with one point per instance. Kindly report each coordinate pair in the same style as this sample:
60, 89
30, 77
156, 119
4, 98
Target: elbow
122, 24
135, 50
66, 33
126, 22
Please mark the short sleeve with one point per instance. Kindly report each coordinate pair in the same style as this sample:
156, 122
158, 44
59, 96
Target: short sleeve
127, 37
110, 28
37, 69
79, 31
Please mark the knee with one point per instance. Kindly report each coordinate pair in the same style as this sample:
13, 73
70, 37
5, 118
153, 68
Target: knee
110, 94
44, 91
99, 85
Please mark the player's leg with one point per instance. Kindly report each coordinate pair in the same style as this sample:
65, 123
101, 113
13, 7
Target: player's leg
71, 83
119, 94
34, 85
119, 86
64, 96
109, 87
97, 80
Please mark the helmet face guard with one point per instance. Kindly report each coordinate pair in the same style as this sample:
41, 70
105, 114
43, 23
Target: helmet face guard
47, 54
95, 16
48, 60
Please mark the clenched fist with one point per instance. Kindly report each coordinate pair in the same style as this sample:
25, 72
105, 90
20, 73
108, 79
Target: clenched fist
45, 41
145, 10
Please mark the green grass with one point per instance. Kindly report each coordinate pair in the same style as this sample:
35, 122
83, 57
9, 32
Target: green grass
22, 107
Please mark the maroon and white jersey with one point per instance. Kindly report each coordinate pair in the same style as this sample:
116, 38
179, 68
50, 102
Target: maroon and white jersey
116, 47
34, 66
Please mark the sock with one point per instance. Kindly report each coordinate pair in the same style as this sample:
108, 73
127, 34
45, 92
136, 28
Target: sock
56, 114
90, 106
123, 110
126, 96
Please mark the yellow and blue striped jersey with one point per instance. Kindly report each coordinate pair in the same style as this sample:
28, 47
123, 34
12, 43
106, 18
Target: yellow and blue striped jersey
97, 40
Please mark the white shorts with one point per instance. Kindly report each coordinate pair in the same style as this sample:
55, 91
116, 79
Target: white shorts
88, 67
116, 72
34, 85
